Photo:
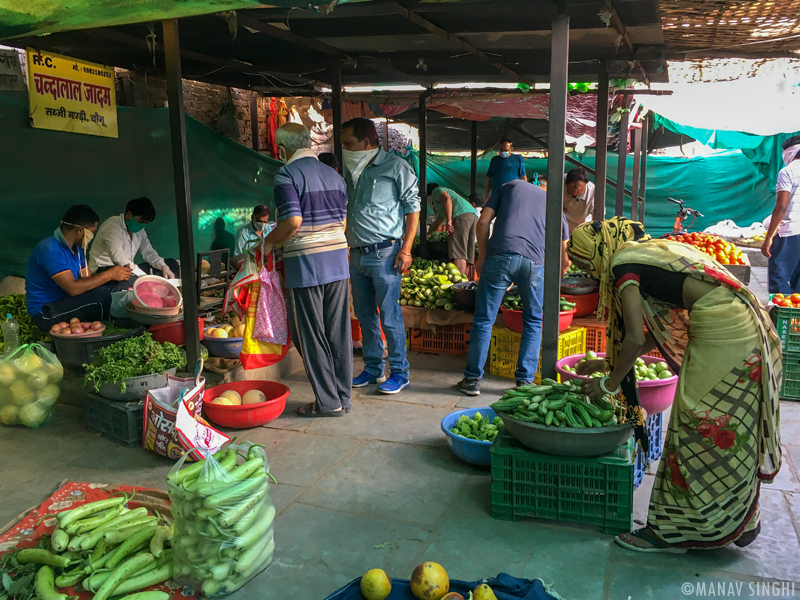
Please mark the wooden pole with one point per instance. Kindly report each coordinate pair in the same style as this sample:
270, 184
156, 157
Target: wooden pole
423, 172
254, 119
622, 157
637, 151
183, 194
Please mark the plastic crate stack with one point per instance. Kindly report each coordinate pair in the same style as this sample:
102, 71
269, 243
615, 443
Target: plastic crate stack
787, 322
120, 422
445, 339
654, 425
504, 350
595, 490
597, 335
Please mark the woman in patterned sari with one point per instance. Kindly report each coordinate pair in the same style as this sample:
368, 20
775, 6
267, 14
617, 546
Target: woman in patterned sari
723, 437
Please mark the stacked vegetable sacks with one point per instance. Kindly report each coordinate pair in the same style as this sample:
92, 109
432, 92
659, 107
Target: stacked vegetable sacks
223, 520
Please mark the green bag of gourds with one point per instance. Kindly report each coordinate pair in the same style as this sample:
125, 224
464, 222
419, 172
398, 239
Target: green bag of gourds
223, 519
30, 384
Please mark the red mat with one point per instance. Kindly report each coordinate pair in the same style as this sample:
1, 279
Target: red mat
24, 533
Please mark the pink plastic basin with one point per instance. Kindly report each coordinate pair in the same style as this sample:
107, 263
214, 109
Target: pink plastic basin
654, 396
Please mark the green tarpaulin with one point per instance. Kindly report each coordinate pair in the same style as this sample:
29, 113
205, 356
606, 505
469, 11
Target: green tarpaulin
723, 186
763, 150
44, 172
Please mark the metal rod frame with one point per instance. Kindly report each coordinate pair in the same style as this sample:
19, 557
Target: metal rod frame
559, 63
601, 144
622, 157
473, 167
183, 194
336, 102
643, 172
637, 155
423, 172
254, 120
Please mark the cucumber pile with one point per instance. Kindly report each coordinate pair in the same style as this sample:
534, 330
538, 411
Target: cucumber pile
101, 547
559, 405
515, 303
223, 520
428, 284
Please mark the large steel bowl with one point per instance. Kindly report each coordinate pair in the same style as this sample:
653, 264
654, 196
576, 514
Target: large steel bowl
567, 441
135, 387
578, 286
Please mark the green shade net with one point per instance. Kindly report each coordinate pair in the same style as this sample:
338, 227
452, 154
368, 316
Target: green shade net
44, 172
725, 185
36, 17
763, 150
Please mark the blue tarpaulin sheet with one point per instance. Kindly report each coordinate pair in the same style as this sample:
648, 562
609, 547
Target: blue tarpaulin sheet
504, 586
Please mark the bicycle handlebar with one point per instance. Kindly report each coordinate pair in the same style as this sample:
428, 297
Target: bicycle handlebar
680, 202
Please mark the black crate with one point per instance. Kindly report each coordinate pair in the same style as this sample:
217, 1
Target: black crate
120, 422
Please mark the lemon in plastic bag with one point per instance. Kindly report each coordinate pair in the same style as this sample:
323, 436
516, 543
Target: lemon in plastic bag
30, 384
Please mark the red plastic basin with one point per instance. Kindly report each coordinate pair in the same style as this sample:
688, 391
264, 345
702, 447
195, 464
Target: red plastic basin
585, 304
251, 415
174, 332
513, 319
654, 396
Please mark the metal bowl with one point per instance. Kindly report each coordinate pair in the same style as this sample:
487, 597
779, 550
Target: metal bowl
567, 441
135, 387
582, 285
464, 294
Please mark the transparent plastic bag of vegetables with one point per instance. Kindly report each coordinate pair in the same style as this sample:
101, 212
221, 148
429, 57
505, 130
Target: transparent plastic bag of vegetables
223, 519
30, 384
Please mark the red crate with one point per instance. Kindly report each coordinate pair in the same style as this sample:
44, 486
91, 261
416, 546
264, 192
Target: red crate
445, 339
596, 335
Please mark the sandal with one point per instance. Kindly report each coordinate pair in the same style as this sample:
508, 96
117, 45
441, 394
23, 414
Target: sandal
310, 411
644, 540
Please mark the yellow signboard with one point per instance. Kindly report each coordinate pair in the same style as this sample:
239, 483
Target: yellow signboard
71, 95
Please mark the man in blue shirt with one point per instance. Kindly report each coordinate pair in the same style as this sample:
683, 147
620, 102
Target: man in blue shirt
58, 284
312, 207
513, 254
504, 167
251, 235
382, 219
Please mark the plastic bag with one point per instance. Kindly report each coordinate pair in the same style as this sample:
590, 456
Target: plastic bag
272, 325
223, 520
30, 384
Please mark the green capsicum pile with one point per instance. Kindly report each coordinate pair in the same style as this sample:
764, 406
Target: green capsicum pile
428, 284
515, 303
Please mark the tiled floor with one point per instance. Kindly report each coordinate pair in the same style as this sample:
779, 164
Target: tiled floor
379, 488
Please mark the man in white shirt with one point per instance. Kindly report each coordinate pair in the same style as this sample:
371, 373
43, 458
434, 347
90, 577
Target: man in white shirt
122, 237
578, 198
783, 251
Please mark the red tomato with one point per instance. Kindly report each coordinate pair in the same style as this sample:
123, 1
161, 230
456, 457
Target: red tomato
795, 298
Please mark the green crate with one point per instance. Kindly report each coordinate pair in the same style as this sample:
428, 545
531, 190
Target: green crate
787, 322
594, 491
790, 387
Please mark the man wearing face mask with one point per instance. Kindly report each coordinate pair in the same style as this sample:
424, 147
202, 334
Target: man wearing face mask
783, 251
253, 233
58, 284
382, 219
504, 167
121, 238
578, 200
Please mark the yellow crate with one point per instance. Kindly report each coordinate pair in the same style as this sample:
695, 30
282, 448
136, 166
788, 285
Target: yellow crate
504, 350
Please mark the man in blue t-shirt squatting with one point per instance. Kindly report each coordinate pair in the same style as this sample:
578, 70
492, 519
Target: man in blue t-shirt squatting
58, 284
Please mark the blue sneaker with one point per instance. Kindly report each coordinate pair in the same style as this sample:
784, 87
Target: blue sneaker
394, 384
366, 378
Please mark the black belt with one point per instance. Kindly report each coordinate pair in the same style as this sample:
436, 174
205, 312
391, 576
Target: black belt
376, 247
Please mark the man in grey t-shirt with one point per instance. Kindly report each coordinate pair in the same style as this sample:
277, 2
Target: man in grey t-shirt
513, 254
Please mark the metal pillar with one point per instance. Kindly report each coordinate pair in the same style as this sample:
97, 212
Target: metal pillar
559, 60
254, 120
336, 101
386, 135
643, 182
473, 168
622, 157
183, 195
637, 150
601, 144
423, 173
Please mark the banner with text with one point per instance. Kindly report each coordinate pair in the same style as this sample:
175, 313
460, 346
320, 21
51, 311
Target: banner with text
71, 95
11, 71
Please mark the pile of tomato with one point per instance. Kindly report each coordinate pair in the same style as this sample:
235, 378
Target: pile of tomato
723, 252
792, 301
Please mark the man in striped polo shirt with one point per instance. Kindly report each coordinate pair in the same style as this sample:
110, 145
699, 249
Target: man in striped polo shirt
311, 199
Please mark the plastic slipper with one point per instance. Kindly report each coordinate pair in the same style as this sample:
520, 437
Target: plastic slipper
656, 544
309, 411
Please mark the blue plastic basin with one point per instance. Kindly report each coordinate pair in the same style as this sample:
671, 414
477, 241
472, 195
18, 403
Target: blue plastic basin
222, 347
472, 451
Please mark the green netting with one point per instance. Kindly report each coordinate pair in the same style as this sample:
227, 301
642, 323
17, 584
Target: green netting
43, 172
763, 150
36, 17
725, 185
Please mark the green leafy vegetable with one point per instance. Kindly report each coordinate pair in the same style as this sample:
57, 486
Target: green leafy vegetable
131, 357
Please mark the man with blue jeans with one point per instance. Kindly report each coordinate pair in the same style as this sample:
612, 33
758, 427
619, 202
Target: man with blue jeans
513, 254
382, 217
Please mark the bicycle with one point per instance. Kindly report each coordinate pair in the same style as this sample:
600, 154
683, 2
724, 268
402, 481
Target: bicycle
684, 212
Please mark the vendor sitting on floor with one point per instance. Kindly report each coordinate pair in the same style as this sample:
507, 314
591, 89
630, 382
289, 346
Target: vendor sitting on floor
459, 218
122, 237
58, 285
